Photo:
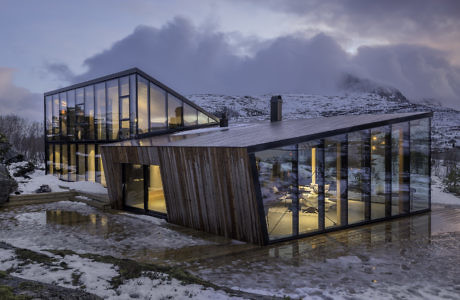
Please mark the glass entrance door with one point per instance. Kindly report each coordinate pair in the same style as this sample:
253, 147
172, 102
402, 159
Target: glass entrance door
143, 189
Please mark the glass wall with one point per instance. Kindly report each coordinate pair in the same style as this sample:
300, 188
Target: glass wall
91, 163
49, 117
134, 186
71, 115
142, 105
346, 179
378, 138
174, 112
81, 158
100, 112
278, 185
143, 188
399, 168
333, 185
156, 198
89, 113
190, 116
63, 114
419, 164
65, 162
358, 171
110, 110
158, 119
308, 169
73, 162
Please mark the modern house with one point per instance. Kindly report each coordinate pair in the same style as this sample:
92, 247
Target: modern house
130, 104
268, 181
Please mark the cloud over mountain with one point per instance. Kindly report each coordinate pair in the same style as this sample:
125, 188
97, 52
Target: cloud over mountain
194, 59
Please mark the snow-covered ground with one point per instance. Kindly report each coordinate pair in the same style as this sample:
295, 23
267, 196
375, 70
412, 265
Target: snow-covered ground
38, 178
73, 271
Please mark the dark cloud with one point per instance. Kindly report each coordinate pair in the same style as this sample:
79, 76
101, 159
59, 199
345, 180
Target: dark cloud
393, 19
193, 60
17, 100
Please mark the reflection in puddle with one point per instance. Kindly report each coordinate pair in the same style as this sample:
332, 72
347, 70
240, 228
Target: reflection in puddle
92, 223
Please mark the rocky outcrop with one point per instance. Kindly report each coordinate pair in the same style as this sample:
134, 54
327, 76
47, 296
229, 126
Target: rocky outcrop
7, 184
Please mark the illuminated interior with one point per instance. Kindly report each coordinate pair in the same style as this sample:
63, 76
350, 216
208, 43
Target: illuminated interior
345, 179
79, 120
137, 180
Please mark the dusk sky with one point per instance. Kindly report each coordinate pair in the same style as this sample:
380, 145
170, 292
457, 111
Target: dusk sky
230, 47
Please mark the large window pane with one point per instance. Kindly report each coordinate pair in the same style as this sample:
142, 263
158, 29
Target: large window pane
202, 118
124, 86
81, 157
57, 159
419, 164
125, 121
134, 186
278, 183
73, 163
63, 114
356, 172
190, 115
71, 114
142, 105
100, 176
333, 185
157, 107
89, 112
308, 187
80, 113
156, 200
133, 101
378, 173
399, 169
49, 117
174, 112
50, 161
91, 155
113, 121
100, 112
56, 132
65, 162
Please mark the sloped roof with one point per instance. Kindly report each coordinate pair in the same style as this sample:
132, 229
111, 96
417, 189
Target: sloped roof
266, 134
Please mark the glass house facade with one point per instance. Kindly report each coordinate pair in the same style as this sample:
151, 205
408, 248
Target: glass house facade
346, 179
126, 105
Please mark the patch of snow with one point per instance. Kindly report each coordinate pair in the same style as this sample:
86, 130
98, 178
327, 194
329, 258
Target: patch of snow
7, 259
438, 196
162, 288
32, 217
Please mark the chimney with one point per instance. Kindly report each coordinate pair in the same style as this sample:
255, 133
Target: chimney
276, 105
224, 119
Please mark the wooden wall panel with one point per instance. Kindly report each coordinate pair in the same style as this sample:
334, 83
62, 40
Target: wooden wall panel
211, 189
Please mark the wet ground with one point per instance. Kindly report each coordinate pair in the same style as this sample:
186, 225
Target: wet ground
415, 257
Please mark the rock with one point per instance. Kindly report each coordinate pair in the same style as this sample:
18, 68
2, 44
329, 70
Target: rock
44, 188
22, 171
7, 184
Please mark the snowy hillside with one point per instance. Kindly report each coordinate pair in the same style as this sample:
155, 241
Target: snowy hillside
446, 121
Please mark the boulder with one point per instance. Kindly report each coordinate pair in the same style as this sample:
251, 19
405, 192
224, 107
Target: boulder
44, 188
7, 184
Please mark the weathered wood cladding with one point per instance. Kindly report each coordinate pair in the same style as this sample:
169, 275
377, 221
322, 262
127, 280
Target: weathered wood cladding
211, 189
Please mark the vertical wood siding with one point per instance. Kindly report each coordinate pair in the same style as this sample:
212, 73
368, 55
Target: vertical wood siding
211, 189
